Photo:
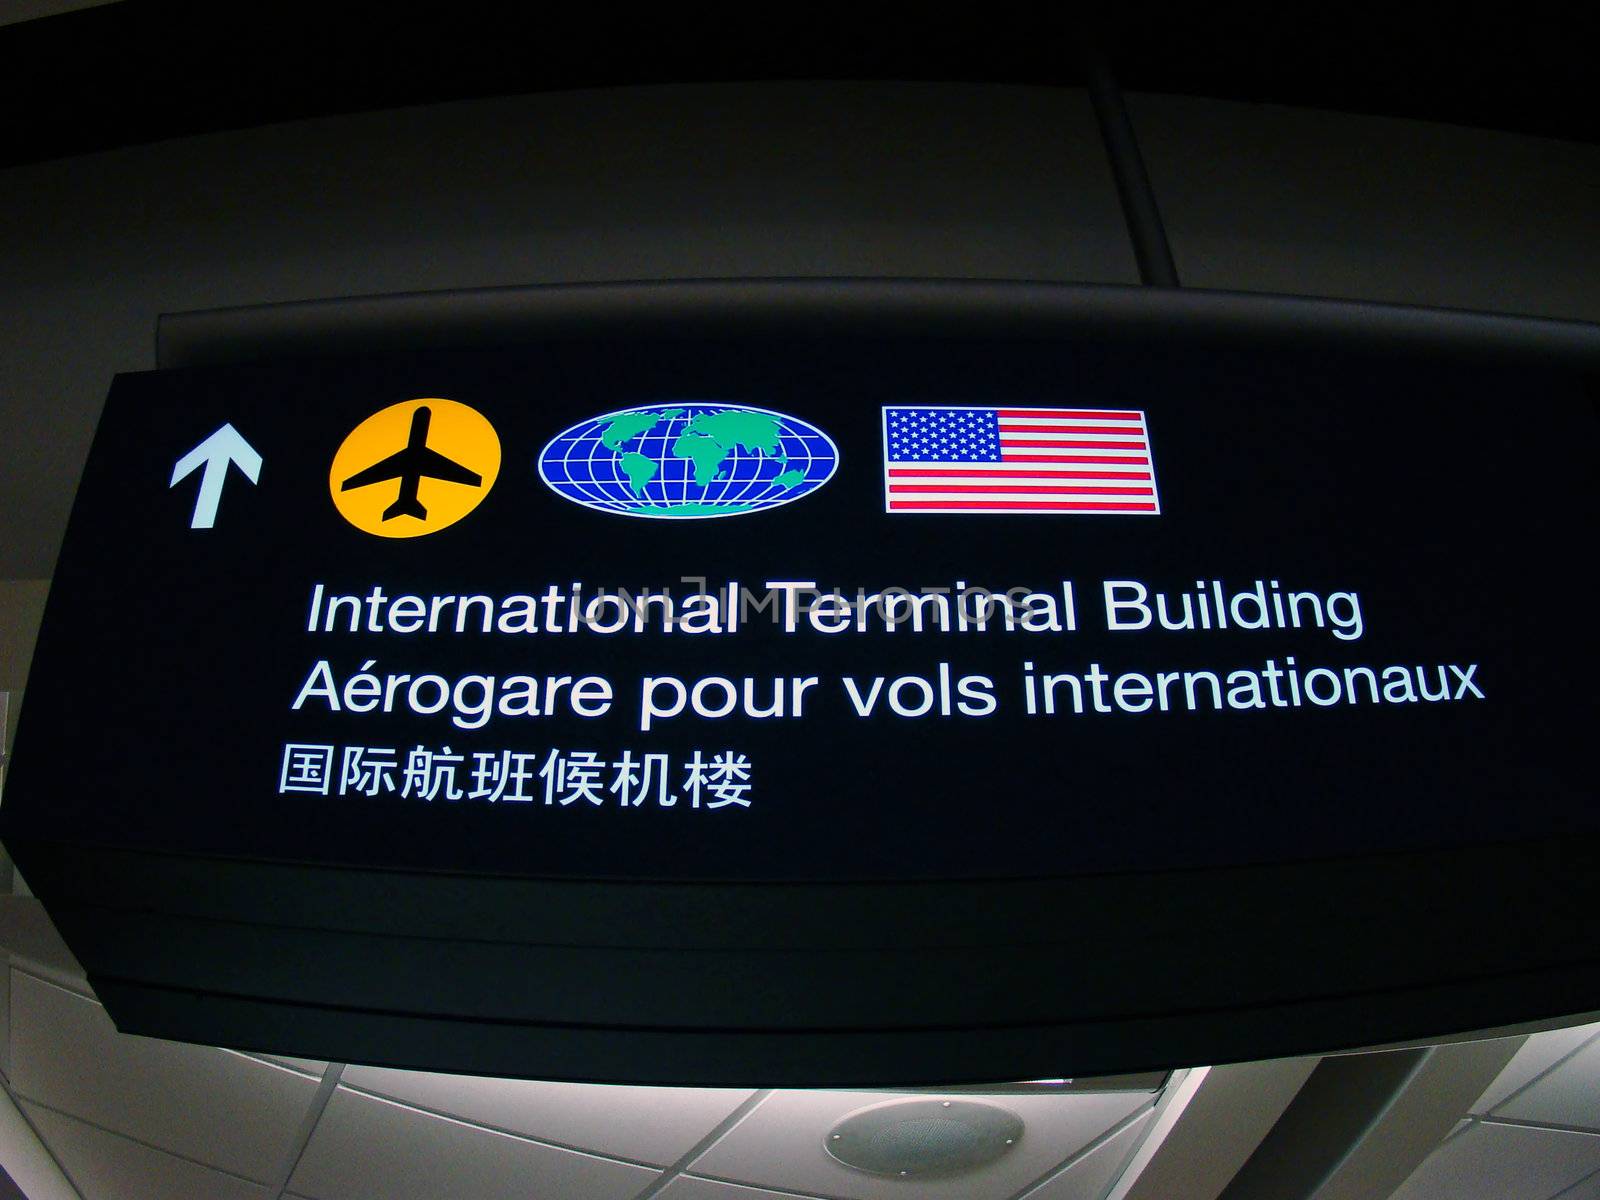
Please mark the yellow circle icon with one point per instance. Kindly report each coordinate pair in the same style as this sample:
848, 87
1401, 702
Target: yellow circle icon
414, 468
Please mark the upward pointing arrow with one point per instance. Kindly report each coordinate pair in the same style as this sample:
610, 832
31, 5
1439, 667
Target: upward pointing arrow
215, 453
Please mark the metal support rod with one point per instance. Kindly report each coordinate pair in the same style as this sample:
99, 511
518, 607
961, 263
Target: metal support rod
1145, 229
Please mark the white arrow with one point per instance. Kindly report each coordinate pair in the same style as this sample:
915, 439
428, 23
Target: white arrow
215, 453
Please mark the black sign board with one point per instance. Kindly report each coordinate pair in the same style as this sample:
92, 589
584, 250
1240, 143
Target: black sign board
921, 650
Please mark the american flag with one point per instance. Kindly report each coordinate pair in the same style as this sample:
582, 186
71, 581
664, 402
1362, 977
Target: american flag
1028, 460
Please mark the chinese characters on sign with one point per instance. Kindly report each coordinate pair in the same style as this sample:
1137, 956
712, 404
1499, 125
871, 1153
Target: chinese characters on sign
557, 777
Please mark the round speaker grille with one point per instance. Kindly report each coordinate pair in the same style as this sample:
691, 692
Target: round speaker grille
924, 1137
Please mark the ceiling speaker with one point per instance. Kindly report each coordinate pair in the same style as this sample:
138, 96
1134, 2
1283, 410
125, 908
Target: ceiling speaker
924, 1137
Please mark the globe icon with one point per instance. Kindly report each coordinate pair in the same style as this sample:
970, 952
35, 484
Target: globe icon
688, 460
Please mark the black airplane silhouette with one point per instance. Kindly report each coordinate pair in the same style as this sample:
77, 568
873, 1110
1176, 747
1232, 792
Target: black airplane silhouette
410, 466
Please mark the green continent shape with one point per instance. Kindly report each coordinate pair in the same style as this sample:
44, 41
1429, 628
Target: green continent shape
627, 427
705, 453
639, 470
756, 432
693, 509
789, 479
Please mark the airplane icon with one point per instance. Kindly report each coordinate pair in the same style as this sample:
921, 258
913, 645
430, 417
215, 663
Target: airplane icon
410, 466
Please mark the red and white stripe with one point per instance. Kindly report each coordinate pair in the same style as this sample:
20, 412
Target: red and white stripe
1064, 460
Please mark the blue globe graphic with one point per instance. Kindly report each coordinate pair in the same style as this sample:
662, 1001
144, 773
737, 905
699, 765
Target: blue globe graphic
688, 460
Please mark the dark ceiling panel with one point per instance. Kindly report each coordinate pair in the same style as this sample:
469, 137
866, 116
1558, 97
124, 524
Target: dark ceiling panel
1491, 71
146, 70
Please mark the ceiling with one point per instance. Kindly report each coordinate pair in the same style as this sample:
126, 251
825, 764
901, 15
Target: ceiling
147, 70
120, 1116
1534, 1133
14, 12
135, 1115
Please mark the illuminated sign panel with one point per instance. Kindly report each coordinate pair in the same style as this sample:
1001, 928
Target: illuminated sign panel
972, 610
1325, 638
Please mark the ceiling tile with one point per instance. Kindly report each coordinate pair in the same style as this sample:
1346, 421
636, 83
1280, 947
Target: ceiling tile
17, 11
1568, 1095
366, 1148
1588, 1189
1494, 1162
216, 1107
652, 1125
5, 1021
306, 1066
689, 1187
21, 610
1538, 1054
1088, 1177
780, 1144
104, 1166
1266, 198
